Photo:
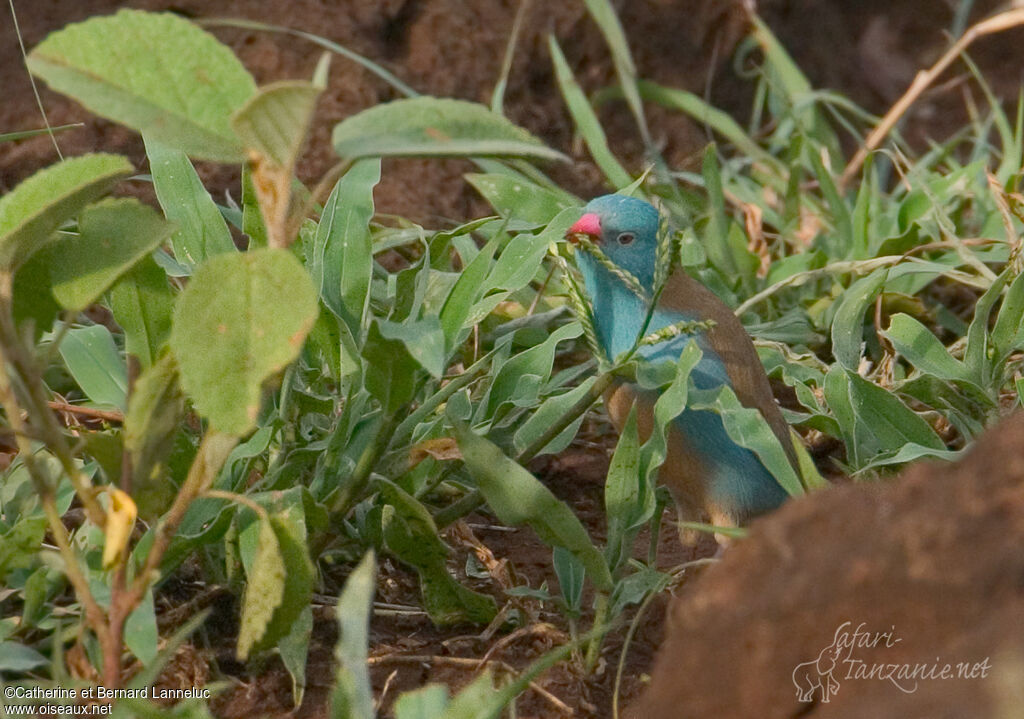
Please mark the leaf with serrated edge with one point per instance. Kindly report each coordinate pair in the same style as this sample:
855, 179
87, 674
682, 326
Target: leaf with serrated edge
264, 592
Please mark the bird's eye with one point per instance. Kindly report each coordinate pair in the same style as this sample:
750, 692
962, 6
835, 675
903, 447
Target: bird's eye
626, 238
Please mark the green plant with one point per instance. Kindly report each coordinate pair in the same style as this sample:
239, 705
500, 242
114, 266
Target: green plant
270, 412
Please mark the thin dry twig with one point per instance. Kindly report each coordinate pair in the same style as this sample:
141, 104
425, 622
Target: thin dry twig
101, 414
998, 23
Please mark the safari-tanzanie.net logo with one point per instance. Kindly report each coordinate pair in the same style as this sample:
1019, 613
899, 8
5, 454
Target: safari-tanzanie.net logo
838, 662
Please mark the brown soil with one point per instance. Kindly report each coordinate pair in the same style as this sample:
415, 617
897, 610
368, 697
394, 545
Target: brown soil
933, 555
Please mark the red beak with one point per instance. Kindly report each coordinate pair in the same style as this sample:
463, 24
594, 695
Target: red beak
589, 224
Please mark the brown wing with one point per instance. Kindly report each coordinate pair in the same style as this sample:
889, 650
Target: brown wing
732, 343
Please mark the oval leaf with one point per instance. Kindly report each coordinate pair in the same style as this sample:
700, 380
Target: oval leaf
31, 212
154, 72
94, 362
435, 127
114, 235
242, 318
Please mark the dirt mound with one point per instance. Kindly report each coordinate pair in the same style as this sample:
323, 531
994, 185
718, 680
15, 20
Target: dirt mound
896, 600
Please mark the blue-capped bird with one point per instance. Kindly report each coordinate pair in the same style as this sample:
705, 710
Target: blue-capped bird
709, 475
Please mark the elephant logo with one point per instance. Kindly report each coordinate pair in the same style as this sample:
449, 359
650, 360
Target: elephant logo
817, 674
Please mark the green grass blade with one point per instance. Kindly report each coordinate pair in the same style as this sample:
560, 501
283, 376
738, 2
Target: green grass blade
607, 20
586, 120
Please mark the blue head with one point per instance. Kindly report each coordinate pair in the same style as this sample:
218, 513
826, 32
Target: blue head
626, 229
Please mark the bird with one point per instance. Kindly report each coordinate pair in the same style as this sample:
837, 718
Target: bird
709, 475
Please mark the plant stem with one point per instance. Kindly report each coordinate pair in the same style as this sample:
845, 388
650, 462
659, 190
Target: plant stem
10, 349
24, 371
348, 494
597, 631
240, 498
213, 452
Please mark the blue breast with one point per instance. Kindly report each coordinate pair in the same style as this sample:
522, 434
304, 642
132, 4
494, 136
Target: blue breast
738, 479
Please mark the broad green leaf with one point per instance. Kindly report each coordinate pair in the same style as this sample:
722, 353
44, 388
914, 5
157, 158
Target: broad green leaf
859, 441
570, 574
33, 595
294, 650
536, 362
716, 238
423, 340
18, 658
243, 317
264, 591
874, 419
274, 121
923, 349
342, 259
202, 231
518, 199
140, 630
390, 369
94, 362
107, 449
31, 212
670, 403
622, 492
550, 410
114, 235
410, 533
352, 697
466, 291
517, 497
976, 353
252, 219
748, 428
522, 257
586, 119
636, 587
289, 527
429, 702
155, 410
434, 127
911, 453
19, 545
143, 304
273, 125
157, 73
33, 300
848, 323
1008, 329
